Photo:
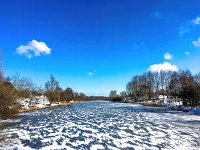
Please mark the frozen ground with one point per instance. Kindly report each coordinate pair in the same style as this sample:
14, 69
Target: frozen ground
103, 125
37, 102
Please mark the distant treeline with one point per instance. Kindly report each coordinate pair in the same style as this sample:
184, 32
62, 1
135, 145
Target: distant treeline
174, 85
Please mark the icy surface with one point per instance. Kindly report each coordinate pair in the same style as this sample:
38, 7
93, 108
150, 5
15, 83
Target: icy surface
102, 125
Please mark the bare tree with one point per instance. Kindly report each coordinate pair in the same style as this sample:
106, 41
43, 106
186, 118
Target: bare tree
76, 95
197, 78
67, 95
150, 84
113, 94
82, 96
25, 87
133, 88
174, 85
142, 86
156, 84
52, 90
162, 82
189, 88
122, 94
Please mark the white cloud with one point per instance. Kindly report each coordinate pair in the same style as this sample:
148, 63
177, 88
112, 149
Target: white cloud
187, 53
196, 20
163, 67
91, 73
188, 27
197, 43
33, 48
168, 56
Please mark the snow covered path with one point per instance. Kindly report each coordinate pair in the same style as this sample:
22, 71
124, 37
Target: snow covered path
103, 125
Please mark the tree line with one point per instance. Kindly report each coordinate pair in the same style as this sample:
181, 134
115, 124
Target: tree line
173, 85
16, 88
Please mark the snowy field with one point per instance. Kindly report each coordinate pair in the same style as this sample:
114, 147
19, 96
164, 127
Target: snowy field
102, 125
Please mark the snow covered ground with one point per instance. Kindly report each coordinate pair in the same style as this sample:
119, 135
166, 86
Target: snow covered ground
176, 104
37, 102
103, 125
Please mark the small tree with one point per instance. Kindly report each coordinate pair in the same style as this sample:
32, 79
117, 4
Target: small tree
67, 95
113, 94
82, 96
122, 94
52, 90
25, 88
76, 95
114, 97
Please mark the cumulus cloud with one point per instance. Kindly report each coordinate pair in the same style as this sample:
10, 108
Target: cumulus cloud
196, 20
91, 73
163, 67
187, 53
168, 56
196, 43
33, 47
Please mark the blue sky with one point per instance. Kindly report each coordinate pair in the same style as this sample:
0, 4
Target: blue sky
95, 46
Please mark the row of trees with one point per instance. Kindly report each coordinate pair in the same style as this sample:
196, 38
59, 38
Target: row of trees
15, 88
150, 85
113, 96
55, 93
